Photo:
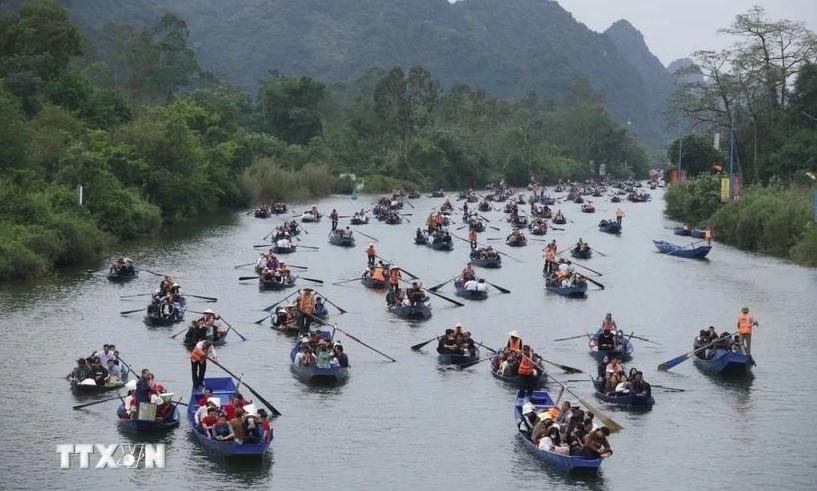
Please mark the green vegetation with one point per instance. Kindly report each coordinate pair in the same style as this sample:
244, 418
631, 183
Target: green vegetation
153, 140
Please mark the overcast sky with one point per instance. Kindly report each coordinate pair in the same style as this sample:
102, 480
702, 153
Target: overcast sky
674, 28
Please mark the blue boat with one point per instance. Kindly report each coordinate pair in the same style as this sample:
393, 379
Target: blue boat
336, 237
577, 290
441, 246
541, 400
452, 359
318, 375
724, 362
158, 319
579, 254
688, 252
697, 233
624, 400
275, 285
494, 261
683, 232
469, 294
517, 241
624, 355
610, 227
149, 425
415, 312
224, 389
515, 380
117, 275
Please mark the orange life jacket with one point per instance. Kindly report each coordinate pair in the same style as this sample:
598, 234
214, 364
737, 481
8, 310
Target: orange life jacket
394, 276
515, 344
525, 367
198, 354
307, 304
472, 235
371, 252
377, 274
745, 322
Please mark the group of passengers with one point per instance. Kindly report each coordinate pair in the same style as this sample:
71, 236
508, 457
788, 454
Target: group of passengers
565, 430
617, 382
710, 337
166, 301
207, 327
270, 269
123, 267
285, 231
145, 390
236, 422
317, 349
100, 368
564, 276
457, 342
415, 295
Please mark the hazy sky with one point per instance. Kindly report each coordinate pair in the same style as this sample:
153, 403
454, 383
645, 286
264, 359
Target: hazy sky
674, 28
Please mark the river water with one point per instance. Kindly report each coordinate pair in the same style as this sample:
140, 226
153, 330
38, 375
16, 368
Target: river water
414, 424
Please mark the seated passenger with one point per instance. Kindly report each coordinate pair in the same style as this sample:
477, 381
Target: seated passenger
222, 431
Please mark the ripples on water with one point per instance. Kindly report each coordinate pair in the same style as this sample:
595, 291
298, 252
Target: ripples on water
412, 424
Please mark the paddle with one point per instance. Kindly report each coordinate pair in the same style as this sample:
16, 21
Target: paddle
308, 247
245, 278
608, 422
274, 411
80, 406
589, 269
89, 271
557, 228
136, 295
486, 347
297, 267
495, 228
312, 279
126, 312
229, 327
472, 363
571, 337
414, 277
243, 265
564, 368
598, 252
502, 290
127, 365
437, 287
643, 339
365, 235
671, 389
183, 330
342, 311
686, 356
151, 272
346, 281
458, 304
335, 326
594, 282
418, 347
209, 299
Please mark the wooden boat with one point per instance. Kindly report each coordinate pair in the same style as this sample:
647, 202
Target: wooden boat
610, 226
157, 319
469, 294
579, 254
221, 341
441, 245
578, 290
150, 424
414, 312
515, 380
80, 388
275, 285
358, 220
284, 250
438, 194
309, 217
559, 220
626, 400
670, 249
453, 359
579, 200
279, 208
120, 275
625, 355
318, 375
262, 213
414, 194
519, 241
337, 238
724, 362
368, 282
615, 199
521, 221
224, 389
588, 208
394, 219
697, 233
485, 262
423, 240
484, 206
682, 231
536, 228
541, 400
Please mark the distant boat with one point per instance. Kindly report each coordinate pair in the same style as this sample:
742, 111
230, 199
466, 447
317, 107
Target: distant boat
354, 194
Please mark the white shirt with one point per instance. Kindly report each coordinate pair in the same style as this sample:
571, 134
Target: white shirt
563, 267
482, 287
283, 243
299, 359
545, 443
470, 285
103, 358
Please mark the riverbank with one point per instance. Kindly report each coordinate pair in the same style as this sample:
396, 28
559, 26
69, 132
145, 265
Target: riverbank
773, 220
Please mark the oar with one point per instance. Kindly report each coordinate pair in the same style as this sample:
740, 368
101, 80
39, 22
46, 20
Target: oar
557, 228
418, 347
126, 312
342, 311
594, 282
271, 307
335, 326
233, 328
136, 295
598, 252
245, 278
643, 339
308, 247
495, 228
265, 245
589, 269
571, 337
80, 406
486, 347
458, 304
128, 366
346, 281
365, 235
495, 238
311, 279
274, 411
297, 267
151, 272
686, 356
502, 290
608, 422
671, 389
183, 330
243, 265
437, 287
89, 271
472, 363
564, 368
414, 277
209, 299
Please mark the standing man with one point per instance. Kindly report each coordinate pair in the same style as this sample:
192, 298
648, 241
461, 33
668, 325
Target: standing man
371, 254
334, 217
527, 371
708, 236
745, 324
306, 308
472, 237
198, 361
394, 278
619, 216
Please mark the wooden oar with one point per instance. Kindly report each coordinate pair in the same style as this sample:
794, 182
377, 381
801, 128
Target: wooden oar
571, 337
671, 389
80, 406
297, 267
259, 321
274, 411
126, 312
643, 339
89, 271
308, 247
414, 277
495, 228
245, 278
333, 304
458, 304
229, 326
437, 287
502, 290
598, 252
686, 356
472, 363
365, 235
183, 330
128, 366
314, 280
271, 307
136, 295
585, 267
418, 347
495, 238
486, 347
564, 368
151, 272
594, 282
243, 265
335, 326
209, 299
608, 422
346, 281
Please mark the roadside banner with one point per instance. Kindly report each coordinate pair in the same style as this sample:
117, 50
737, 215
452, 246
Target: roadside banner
724, 189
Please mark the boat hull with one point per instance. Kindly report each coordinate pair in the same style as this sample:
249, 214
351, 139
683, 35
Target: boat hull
469, 294
623, 400
610, 227
624, 355
148, 426
334, 239
417, 312
441, 246
487, 262
273, 285
374, 284
452, 359
670, 249
318, 375
581, 254
726, 363
121, 277
80, 389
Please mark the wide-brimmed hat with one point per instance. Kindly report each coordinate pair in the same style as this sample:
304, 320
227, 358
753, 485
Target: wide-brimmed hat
513, 334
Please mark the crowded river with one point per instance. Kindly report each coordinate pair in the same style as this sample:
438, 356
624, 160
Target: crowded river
414, 423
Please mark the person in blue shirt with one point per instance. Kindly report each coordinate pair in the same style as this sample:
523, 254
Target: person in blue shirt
143, 389
343, 358
116, 372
